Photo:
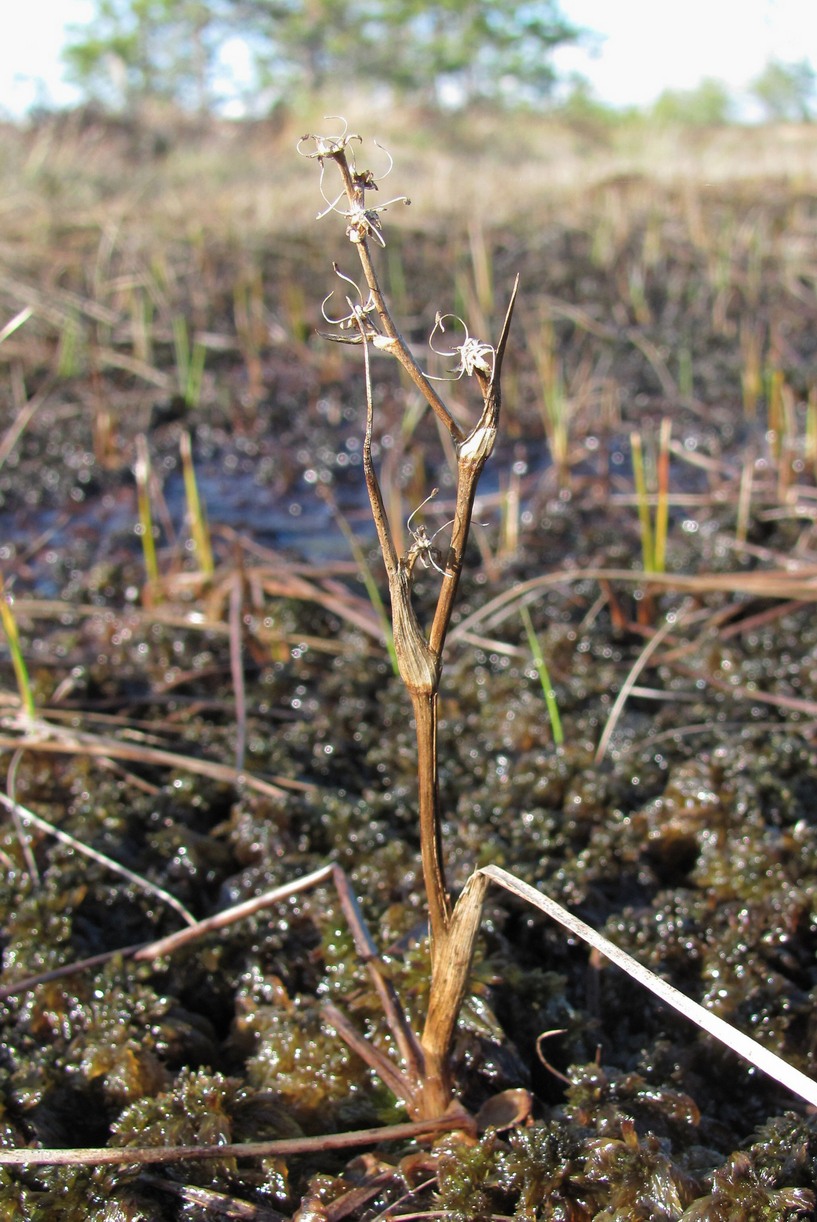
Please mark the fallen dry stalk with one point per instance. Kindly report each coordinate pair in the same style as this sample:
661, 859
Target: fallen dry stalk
28, 816
149, 951
41, 735
743, 1045
141, 1156
799, 582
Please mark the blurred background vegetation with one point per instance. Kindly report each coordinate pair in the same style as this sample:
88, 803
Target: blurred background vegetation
244, 58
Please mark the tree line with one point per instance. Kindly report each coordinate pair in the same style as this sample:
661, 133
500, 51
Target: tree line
201, 55
194, 53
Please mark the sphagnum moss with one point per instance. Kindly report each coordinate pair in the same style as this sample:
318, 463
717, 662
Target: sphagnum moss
595, 838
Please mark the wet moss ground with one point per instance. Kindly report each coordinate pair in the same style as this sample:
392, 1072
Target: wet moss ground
691, 842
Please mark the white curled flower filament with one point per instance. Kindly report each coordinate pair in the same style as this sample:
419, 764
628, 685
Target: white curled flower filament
472, 354
328, 146
423, 548
362, 222
359, 311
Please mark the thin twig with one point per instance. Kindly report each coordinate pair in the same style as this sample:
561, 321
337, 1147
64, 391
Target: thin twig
629, 683
407, 1043
141, 1156
214, 1204
143, 884
166, 946
12, 805
173, 942
237, 668
67, 969
371, 1055
21, 423
45, 737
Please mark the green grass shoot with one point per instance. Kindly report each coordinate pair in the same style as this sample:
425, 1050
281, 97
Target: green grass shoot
141, 322
654, 528
199, 530
643, 501
68, 363
544, 677
189, 363
662, 502
9, 622
554, 403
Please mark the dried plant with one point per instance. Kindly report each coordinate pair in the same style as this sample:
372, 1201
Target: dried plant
419, 648
425, 1080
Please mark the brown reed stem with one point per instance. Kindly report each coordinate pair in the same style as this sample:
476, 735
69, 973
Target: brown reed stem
419, 652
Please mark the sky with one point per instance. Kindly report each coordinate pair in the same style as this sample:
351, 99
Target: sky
653, 45
644, 46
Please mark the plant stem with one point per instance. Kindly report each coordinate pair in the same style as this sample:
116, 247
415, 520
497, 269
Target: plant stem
453, 930
431, 848
450, 972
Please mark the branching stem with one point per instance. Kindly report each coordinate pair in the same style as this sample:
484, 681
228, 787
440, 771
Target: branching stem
453, 929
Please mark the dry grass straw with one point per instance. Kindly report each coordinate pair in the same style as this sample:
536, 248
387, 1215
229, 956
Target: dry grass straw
44, 737
797, 583
107, 1156
743, 1045
27, 816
